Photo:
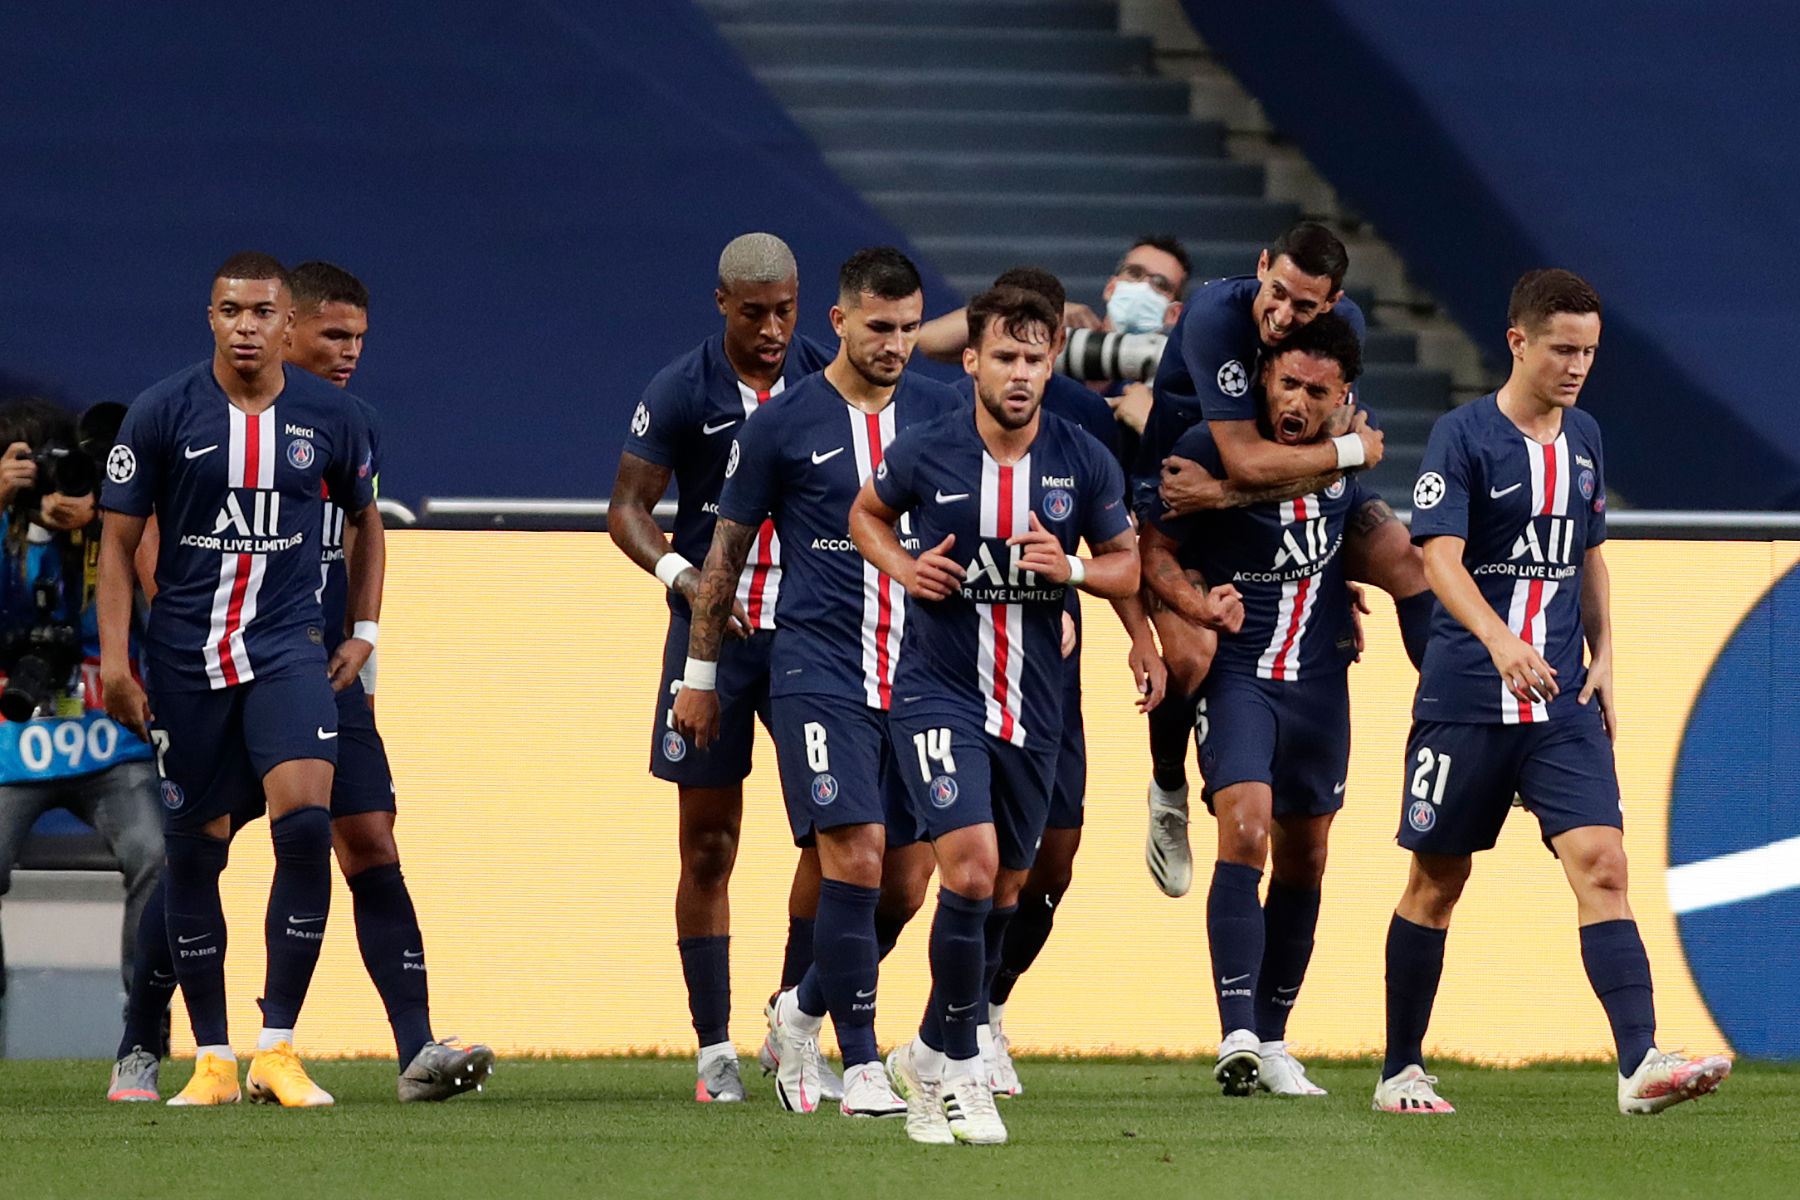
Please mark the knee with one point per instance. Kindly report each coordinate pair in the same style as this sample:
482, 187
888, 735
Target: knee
1187, 669
1430, 899
361, 847
903, 894
1300, 866
140, 854
707, 855
858, 861
194, 857
302, 836
1604, 870
1244, 838
971, 873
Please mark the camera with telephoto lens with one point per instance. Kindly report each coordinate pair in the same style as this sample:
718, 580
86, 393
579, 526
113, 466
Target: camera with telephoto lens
41, 661
1091, 355
64, 470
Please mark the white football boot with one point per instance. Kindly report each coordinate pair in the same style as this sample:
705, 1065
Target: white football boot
925, 1118
1166, 847
1240, 1063
1281, 1074
1663, 1080
969, 1105
867, 1093
1410, 1091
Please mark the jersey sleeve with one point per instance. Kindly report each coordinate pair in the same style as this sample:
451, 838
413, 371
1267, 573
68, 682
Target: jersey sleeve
1441, 496
663, 418
751, 468
350, 475
1104, 515
897, 478
1596, 526
1221, 381
138, 460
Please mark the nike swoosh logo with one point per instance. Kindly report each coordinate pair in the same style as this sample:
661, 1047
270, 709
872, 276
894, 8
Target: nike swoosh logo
829, 454
712, 429
954, 1009
412, 954
192, 940
943, 499
1338, 790
304, 920
1295, 988
1495, 493
326, 737
190, 452
865, 995
1234, 979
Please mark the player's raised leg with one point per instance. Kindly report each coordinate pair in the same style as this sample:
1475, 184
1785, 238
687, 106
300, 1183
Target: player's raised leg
1187, 652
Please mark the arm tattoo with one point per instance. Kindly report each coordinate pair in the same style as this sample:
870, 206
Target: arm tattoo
1371, 516
718, 586
1237, 496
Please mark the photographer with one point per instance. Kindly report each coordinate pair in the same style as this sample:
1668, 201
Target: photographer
58, 748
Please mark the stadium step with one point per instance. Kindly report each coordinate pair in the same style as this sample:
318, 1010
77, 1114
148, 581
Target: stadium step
976, 90
913, 129
1071, 257
1044, 173
987, 14
876, 47
1119, 217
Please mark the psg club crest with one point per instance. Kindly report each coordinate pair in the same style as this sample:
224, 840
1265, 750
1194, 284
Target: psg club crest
1335, 491
1233, 380
824, 790
1421, 815
171, 794
674, 746
943, 791
1586, 482
1058, 504
300, 453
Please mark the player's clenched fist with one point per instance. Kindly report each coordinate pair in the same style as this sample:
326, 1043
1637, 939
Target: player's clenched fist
1526, 673
1372, 440
1224, 609
1044, 556
935, 574
696, 715
126, 702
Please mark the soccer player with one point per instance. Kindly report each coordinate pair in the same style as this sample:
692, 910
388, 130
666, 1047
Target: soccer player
1225, 328
839, 623
1001, 493
331, 319
1053, 869
1510, 509
1274, 712
683, 430
233, 457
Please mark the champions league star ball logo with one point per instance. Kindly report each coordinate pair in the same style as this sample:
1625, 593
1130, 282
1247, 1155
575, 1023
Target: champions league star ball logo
1429, 490
640, 420
171, 794
1233, 380
824, 790
731, 461
674, 746
300, 453
1335, 491
121, 464
1058, 504
1421, 816
943, 792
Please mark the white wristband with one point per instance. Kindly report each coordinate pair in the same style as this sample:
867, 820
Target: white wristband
1349, 451
700, 675
368, 631
668, 567
1077, 571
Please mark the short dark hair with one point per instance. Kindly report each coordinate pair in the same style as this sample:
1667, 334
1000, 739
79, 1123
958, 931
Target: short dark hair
1167, 243
1038, 280
1541, 294
1315, 250
1016, 309
881, 271
1327, 335
316, 284
35, 421
253, 264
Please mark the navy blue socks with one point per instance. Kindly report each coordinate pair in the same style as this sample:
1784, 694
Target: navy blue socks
393, 950
799, 953
1171, 725
1234, 928
706, 966
958, 969
1619, 969
994, 938
1025, 937
1415, 624
1290, 917
1415, 964
846, 963
299, 901
152, 978
196, 929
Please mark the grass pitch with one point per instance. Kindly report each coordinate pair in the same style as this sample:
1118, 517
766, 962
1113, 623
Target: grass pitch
1119, 1128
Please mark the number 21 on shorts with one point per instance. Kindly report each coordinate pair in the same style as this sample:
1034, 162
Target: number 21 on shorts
1431, 776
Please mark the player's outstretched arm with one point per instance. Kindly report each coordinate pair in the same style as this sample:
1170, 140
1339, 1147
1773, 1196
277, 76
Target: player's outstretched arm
366, 566
124, 697
1526, 673
696, 708
1187, 487
631, 523
931, 576
1596, 626
1253, 461
1145, 661
1220, 608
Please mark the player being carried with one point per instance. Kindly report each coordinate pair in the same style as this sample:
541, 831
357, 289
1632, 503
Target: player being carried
1002, 494
683, 430
839, 623
1510, 509
233, 457
1274, 712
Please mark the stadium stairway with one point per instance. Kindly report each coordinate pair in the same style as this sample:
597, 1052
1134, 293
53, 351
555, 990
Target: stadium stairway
1002, 132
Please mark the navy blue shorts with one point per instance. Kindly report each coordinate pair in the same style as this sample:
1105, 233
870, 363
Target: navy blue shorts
958, 775
364, 781
838, 768
213, 748
1293, 736
1461, 779
743, 690
1068, 791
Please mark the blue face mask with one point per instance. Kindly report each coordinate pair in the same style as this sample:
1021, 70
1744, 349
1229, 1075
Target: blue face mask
1136, 307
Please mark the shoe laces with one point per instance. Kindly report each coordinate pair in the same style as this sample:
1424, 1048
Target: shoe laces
1420, 1087
1171, 824
281, 1060
975, 1099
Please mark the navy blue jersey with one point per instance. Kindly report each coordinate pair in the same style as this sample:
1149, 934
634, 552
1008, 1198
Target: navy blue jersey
1286, 558
1529, 513
800, 461
1004, 621
685, 422
1210, 366
334, 576
240, 501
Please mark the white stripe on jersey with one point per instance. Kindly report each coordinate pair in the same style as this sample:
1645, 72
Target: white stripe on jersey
1280, 659
216, 632
1527, 613
1000, 629
764, 561
259, 566
883, 599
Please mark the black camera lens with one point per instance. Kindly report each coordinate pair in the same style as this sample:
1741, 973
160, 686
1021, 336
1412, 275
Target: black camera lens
30, 685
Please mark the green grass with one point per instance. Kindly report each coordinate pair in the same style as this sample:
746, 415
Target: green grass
1119, 1128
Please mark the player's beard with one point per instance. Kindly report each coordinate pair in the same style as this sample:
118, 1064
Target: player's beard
996, 408
878, 375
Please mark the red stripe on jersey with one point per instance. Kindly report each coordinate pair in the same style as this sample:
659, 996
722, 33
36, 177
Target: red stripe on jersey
1300, 513
1280, 668
1549, 484
1534, 601
884, 604
765, 537
1003, 512
252, 448
234, 617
